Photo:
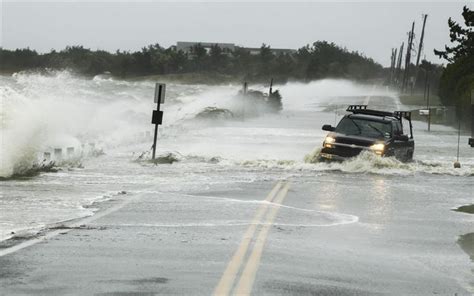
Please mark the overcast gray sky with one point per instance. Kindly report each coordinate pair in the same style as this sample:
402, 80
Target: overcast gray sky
372, 28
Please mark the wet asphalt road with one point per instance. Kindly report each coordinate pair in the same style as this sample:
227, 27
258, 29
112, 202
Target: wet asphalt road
369, 238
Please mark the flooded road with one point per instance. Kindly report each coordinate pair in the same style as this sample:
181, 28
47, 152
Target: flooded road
366, 226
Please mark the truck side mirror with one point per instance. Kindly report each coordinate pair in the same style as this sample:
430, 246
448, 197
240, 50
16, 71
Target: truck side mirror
329, 128
403, 138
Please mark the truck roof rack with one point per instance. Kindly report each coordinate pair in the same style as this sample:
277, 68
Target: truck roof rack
356, 107
362, 109
403, 114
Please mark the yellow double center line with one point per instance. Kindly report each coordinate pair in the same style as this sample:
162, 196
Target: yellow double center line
247, 277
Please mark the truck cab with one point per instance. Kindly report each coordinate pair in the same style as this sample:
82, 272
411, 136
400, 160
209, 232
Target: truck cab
364, 129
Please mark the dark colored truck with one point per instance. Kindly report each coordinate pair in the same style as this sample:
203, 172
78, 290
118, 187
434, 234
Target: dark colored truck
369, 130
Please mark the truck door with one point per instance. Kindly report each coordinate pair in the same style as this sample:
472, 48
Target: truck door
400, 147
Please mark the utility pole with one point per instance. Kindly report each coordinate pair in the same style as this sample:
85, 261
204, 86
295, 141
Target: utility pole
428, 106
426, 85
393, 60
420, 47
406, 74
244, 98
457, 164
399, 63
471, 140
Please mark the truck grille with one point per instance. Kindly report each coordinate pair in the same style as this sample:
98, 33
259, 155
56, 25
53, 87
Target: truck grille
346, 151
353, 141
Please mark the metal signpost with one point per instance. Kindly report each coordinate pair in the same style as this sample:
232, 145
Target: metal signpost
457, 164
244, 97
157, 116
428, 106
471, 140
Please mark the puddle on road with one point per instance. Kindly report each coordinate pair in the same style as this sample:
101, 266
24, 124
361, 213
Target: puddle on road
469, 209
466, 242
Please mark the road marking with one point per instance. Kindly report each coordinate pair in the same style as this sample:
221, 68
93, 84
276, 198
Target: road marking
54, 233
367, 99
247, 278
228, 277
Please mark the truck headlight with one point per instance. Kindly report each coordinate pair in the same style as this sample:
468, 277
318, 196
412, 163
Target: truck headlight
329, 141
378, 148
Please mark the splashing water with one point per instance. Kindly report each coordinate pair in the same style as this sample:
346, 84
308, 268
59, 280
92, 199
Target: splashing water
58, 110
43, 112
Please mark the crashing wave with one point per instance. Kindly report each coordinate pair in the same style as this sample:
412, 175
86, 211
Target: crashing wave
215, 113
172, 157
166, 158
163, 158
29, 171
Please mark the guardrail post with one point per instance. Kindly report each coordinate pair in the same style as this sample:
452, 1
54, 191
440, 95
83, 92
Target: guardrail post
58, 153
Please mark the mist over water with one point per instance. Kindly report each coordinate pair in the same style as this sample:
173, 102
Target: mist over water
43, 112
59, 110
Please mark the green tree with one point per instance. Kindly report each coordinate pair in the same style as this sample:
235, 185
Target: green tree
266, 58
217, 58
320, 60
199, 56
461, 37
457, 80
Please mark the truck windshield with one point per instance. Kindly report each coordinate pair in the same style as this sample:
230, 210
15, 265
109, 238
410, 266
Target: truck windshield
364, 127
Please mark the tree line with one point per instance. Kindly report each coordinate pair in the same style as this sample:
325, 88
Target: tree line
318, 60
456, 84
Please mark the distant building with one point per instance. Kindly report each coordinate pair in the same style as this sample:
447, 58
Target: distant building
186, 46
228, 47
275, 51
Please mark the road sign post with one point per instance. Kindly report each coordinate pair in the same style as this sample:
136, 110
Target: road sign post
471, 140
428, 106
157, 116
244, 99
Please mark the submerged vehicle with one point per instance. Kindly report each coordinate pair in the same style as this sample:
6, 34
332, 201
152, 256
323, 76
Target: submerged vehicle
215, 113
262, 102
369, 130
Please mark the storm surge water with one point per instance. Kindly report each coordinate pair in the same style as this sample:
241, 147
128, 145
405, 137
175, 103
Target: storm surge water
42, 112
57, 110
210, 137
